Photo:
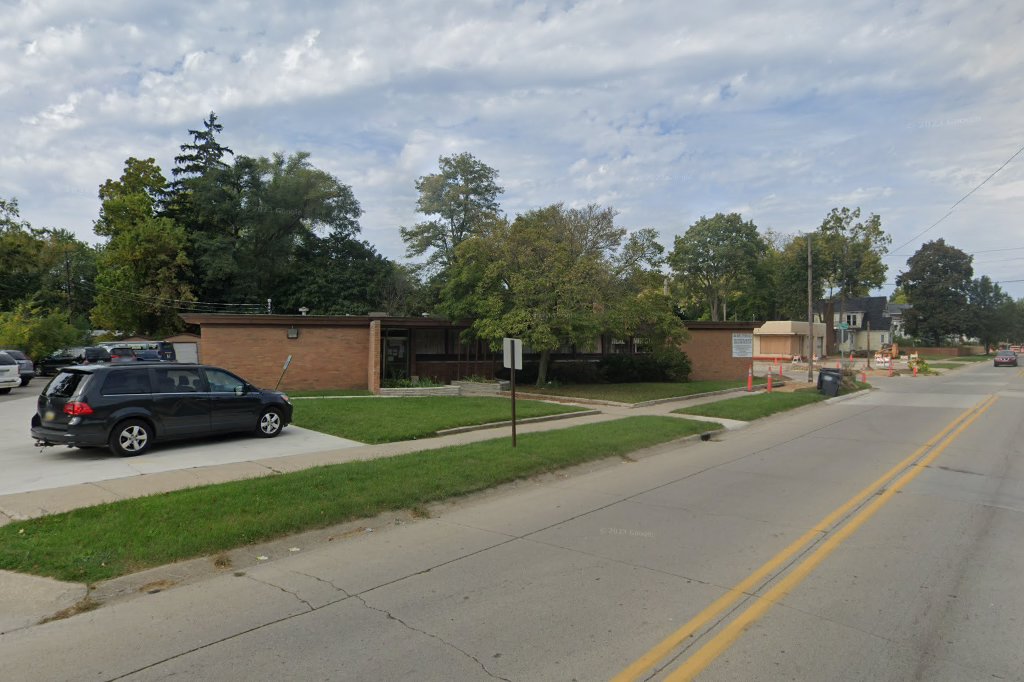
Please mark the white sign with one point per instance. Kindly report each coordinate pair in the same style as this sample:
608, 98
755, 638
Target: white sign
743, 345
513, 349
288, 362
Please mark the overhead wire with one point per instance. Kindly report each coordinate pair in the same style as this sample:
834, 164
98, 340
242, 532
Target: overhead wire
961, 200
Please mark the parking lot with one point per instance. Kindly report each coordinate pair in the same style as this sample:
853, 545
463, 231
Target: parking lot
27, 467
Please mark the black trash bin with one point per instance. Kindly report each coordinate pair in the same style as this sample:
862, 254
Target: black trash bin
829, 380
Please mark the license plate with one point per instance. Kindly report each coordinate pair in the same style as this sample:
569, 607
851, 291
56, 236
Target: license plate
49, 415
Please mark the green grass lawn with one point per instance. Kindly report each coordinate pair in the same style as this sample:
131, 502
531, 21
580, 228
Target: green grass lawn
329, 392
384, 420
945, 365
749, 408
101, 542
639, 392
955, 358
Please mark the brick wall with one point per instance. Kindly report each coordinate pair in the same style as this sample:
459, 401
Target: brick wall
946, 352
322, 357
710, 350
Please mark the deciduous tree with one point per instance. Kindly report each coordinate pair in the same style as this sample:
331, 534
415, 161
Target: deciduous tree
937, 283
143, 268
556, 276
850, 259
458, 200
992, 312
719, 259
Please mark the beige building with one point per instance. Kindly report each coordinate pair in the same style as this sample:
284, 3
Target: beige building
786, 339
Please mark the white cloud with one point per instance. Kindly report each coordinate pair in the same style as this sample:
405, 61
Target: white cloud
668, 110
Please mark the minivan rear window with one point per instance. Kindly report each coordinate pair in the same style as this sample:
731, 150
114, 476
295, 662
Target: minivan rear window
65, 384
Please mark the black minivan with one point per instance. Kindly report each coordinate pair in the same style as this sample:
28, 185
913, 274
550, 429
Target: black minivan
131, 406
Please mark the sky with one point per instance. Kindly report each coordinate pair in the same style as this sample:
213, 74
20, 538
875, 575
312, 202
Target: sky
665, 110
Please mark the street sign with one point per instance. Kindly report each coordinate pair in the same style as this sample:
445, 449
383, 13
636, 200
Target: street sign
287, 362
512, 357
513, 351
844, 326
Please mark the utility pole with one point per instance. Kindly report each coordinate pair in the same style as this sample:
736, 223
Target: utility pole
810, 316
869, 344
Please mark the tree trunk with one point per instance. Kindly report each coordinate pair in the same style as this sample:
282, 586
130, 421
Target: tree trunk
542, 370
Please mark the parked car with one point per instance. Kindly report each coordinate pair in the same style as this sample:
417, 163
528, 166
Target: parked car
164, 348
129, 407
9, 375
26, 368
122, 354
149, 355
80, 355
1005, 358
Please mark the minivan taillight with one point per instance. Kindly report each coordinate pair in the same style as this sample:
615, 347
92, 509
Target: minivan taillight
77, 409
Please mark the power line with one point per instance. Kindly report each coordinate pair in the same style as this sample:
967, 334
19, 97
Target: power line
177, 303
960, 200
970, 253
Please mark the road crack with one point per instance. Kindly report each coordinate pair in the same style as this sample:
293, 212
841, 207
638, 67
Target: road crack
391, 616
326, 582
294, 594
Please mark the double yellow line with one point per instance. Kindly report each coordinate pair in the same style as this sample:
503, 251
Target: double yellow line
881, 490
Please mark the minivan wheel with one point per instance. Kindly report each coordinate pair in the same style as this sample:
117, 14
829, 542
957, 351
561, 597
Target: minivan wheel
270, 422
4, 391
24, 382
131, 437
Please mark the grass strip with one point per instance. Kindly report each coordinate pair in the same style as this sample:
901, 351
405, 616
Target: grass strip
638, 392
749, 408
329, 392
945, 365
105, 541
386, 420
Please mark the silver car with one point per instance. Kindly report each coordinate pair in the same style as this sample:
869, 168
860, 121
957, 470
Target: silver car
9, 374
26, 368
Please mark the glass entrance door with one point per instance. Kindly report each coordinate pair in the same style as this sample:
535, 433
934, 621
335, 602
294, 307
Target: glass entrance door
394, 354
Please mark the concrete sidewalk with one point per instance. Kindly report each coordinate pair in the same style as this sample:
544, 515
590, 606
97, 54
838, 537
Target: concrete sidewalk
26, 600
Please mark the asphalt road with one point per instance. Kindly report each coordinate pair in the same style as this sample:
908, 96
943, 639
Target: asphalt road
872, 539
26, 467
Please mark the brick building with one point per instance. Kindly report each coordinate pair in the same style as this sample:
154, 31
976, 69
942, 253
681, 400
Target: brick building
359, 351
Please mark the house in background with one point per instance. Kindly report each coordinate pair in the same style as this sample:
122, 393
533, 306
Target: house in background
861, 324
895, 312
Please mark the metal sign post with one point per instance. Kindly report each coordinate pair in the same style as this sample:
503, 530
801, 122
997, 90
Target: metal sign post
512, 358
287, 362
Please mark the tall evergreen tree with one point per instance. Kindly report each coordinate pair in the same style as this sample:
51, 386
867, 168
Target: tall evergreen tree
203, 199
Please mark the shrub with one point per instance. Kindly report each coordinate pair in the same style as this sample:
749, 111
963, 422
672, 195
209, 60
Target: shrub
575, 372
665, 365
422, 382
